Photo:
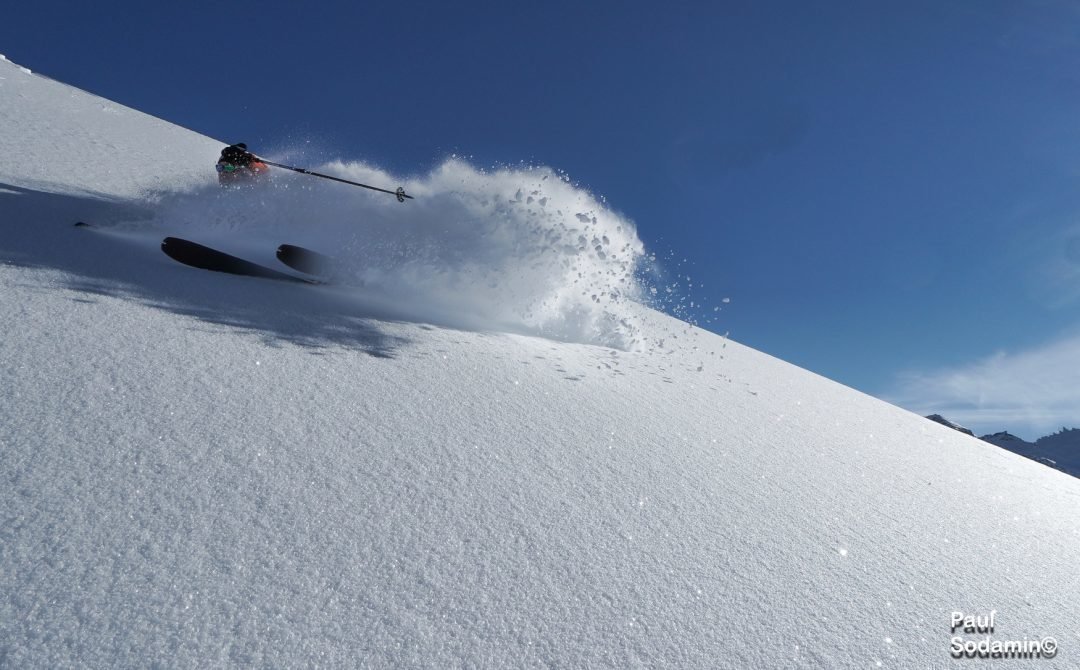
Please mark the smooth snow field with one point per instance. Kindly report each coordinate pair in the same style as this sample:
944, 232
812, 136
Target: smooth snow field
477, 446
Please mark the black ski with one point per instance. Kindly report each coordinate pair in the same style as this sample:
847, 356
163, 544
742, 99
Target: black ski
200, 256
305, 260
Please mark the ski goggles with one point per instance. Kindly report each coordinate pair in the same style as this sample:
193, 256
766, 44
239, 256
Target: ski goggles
226, 167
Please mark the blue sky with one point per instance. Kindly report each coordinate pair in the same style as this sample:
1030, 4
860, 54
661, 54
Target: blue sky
887, 192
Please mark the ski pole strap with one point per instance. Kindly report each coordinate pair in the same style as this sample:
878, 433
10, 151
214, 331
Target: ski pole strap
400, 192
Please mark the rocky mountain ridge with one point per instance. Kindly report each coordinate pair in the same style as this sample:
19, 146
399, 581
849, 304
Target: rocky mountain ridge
1060, 450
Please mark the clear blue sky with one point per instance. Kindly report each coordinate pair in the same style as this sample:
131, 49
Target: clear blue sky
886, 191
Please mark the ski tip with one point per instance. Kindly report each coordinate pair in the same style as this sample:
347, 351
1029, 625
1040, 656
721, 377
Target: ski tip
305, 260
82, 224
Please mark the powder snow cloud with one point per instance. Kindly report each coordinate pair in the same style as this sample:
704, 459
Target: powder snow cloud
519, 249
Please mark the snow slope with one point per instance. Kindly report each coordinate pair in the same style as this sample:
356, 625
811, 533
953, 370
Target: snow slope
201, 470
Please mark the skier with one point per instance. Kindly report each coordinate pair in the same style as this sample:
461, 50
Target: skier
238, 166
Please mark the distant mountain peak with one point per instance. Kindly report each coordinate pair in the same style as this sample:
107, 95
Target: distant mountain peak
937, 418
1066, 437
1004, 436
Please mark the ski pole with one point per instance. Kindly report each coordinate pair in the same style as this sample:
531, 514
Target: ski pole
400, 192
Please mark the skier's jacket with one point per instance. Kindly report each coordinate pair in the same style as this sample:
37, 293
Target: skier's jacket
238, 166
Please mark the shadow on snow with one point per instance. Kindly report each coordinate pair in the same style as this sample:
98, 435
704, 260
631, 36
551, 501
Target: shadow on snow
38, 232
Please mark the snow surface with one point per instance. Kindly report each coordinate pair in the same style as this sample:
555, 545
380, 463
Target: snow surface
201, 470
